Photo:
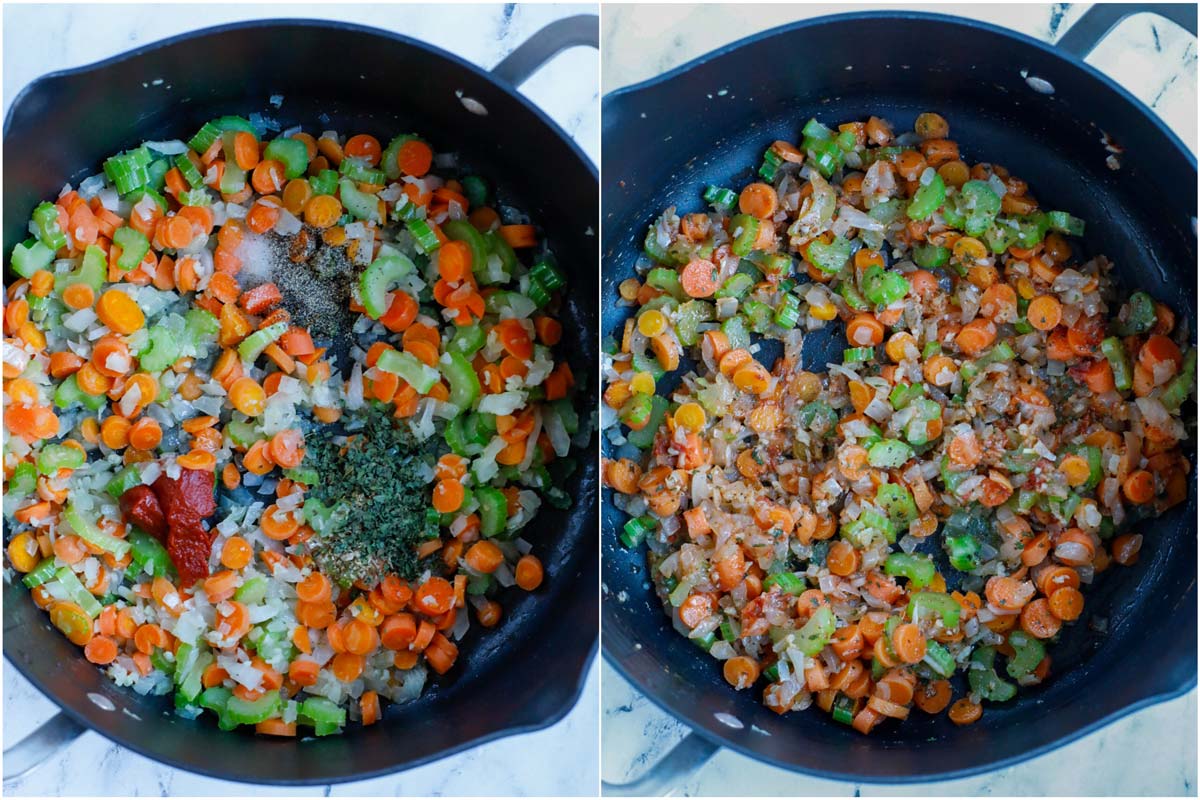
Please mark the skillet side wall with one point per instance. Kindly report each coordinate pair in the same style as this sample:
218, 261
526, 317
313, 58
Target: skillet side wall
709, 122
63, 127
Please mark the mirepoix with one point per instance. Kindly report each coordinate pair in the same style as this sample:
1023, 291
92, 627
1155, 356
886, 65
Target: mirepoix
916, 523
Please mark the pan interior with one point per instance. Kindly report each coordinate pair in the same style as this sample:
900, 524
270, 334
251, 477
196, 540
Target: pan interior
710, 125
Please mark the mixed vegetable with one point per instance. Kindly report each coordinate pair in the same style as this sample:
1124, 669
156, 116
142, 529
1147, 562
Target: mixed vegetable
933, 507
277, 411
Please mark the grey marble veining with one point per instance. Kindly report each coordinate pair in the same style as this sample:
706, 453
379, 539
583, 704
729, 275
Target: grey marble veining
1152, 752
41, 39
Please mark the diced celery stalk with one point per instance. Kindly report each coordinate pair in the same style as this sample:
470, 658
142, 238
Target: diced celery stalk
161, 350
87, 530
420, 376
30, 256
360, 204
377, 279
252, 346
291, 153
77, 593
134, 246
464, 383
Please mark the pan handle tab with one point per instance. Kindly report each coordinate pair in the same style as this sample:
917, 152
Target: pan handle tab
582, 30
38, 747
1099, 20
667, 776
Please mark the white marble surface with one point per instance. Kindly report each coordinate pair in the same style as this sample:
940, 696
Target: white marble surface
1152, 752
40, 39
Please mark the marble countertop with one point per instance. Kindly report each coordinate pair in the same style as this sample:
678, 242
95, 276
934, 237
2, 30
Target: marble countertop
1156, 61
41, 39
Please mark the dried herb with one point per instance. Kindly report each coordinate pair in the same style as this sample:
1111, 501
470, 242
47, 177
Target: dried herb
371, 507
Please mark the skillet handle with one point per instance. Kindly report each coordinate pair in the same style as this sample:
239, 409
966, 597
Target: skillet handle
37, 748
1099, 20
582, 30
667, 776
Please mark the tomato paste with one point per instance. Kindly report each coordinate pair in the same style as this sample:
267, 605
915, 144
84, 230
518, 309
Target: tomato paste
172, 510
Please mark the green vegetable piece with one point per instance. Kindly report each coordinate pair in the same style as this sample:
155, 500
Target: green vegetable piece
982, 677
23, 480
720, 198
357, 170
1141, 316
789, 582
149, 554
690, 315
76, 592
744, 230
636, 530
843, 710
884, 288
30, 256
68, 393
252, 712
161, 350
1028, 652
1114, 350
856, 355
1181, 386
938, 659
928, 199
666, 280
87, 530
1064, 223
365, 206
464, 383
54, 457
816, 633
92, 270
134, 246
980, 204
125, 479
459, 230
292, 154
45, 219
918, 569
468, 339
736, 285
829, 258
476, 190
324, 715
376, 281
493, 510
253, 591
940, 604
898, 502
252, 346
889, 453
644, 438
930, 256
420, 376
43, 572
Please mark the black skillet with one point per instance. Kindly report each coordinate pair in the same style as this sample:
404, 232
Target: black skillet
522, 676
1040, 111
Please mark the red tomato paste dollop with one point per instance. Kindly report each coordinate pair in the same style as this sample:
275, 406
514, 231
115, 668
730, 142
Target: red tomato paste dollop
172, 510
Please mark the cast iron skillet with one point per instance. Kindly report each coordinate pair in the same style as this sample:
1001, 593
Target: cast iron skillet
709, 122
356, 79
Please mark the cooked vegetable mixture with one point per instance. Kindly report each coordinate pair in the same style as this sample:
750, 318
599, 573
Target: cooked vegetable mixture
276, 413
1000, 425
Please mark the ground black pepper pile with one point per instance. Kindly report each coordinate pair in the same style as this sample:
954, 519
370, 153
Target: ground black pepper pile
314, 279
